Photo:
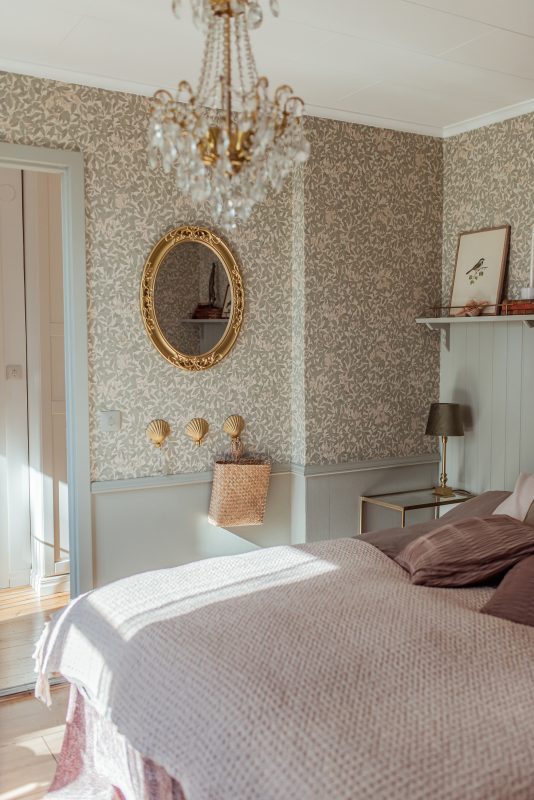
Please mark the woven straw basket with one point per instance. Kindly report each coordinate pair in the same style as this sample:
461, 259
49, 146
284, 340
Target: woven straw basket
239, 492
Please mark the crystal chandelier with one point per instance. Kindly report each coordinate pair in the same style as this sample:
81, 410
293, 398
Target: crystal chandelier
229, 142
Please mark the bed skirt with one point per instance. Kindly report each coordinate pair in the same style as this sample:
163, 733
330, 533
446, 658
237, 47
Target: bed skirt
97, 762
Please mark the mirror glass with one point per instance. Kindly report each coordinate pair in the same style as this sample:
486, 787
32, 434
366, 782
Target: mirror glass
192, 298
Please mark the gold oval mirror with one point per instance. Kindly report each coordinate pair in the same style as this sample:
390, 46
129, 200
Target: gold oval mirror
192, 298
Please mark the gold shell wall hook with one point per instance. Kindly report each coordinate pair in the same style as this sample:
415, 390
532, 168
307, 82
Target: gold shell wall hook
233, 426
197, 430
158, 431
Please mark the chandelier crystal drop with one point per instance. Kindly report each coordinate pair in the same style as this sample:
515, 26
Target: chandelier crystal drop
228, 142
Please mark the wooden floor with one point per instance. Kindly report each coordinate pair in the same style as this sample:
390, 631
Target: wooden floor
22, 618
30, 742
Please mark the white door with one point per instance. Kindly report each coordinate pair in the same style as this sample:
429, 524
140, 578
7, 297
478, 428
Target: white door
46, 380
15, 550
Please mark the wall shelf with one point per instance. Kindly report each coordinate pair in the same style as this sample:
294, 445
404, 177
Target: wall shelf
444, 323
438, 323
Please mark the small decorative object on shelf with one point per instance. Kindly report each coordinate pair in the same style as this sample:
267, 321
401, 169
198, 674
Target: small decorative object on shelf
158, 431
197, 430
473, 308
211, 310
517, 307
444, 420
207, 311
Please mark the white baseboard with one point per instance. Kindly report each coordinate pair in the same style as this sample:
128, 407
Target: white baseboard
20, 578
45, 585
62, 567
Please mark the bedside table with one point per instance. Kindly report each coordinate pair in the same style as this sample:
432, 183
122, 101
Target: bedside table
410, 501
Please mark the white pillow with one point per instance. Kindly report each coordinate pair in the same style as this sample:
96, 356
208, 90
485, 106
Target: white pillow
519, 502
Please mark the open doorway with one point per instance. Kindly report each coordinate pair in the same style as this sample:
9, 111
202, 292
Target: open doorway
45, 512
34, 551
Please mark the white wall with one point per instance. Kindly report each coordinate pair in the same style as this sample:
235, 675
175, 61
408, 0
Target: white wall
489, 369
15, 554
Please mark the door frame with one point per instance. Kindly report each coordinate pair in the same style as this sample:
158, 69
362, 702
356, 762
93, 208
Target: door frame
69, 164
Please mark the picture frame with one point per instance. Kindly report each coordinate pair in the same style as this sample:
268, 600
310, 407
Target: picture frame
480, 269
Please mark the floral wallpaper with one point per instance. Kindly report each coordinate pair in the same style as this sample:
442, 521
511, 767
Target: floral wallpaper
329, 366
128, 208
489, 180
373, 215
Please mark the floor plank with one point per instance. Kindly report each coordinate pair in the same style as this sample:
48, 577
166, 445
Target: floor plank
30, 741
24, 716
23, 616
27, 769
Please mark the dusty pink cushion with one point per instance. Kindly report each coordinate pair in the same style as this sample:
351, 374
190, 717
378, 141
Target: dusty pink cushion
514, 599
521, 499
468, 551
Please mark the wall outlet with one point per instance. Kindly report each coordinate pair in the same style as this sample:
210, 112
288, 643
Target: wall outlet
109, 421
14, 372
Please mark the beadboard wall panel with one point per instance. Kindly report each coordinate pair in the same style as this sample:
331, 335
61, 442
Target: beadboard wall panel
150, 523
333, 497
489, 369
149, 526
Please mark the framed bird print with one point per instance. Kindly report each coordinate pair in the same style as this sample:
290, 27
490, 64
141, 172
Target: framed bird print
480, 269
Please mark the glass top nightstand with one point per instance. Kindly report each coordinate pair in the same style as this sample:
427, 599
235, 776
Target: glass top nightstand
410, 501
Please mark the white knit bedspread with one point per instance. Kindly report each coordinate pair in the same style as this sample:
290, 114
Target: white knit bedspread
306, 673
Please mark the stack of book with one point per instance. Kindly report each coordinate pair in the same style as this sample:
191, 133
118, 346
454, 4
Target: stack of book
518, 307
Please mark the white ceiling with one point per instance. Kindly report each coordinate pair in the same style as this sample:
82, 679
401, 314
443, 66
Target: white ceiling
432, 66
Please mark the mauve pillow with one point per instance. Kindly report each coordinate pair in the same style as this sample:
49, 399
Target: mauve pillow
514, 599
467, 551
529, 519
392, 540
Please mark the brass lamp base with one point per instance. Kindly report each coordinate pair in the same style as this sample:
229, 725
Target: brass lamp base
443, 491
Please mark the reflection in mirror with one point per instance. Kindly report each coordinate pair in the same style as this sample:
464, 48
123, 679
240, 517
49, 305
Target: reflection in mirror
192, 298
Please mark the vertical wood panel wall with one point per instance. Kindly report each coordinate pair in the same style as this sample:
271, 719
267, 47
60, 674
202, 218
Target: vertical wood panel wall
489, 369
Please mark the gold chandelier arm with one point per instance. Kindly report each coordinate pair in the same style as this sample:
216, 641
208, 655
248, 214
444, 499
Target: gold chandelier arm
281, 91
293, 101
162, 95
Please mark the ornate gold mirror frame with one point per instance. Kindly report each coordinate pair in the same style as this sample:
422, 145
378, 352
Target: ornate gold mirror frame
150, 272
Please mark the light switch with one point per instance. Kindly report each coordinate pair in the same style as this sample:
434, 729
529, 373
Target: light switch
109, 421
14, 372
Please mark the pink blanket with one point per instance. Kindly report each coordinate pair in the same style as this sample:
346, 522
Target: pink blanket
97, 762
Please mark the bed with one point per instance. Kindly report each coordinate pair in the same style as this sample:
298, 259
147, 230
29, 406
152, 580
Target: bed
316, 672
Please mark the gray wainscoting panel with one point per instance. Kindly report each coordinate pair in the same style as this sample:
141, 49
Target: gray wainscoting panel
161, 521
332, 504
165, 525
489, 369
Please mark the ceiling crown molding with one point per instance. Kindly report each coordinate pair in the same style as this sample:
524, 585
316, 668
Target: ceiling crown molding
131, 87
482, 121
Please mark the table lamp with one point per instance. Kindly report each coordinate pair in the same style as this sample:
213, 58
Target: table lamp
444, 419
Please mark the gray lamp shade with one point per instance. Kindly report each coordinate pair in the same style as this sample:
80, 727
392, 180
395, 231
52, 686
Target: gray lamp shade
445, 419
